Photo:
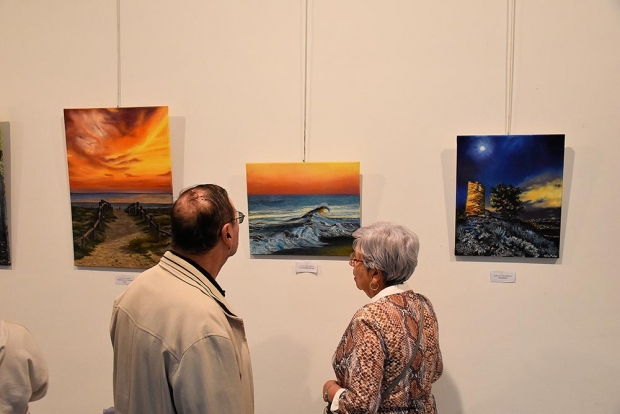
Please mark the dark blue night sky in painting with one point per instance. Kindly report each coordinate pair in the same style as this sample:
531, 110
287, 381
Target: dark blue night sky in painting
533, 163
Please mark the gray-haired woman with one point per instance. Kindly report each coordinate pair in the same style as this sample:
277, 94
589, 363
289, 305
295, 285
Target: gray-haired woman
389, 355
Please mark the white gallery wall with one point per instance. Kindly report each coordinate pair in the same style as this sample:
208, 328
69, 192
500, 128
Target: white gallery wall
388, 83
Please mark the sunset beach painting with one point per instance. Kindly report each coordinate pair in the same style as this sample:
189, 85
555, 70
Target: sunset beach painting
304, 209
509, 195
120, 181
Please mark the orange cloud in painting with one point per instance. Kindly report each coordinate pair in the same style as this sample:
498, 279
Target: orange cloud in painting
118, 149
303, 178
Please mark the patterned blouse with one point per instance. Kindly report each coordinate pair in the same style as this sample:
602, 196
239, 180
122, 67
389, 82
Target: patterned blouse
375, 348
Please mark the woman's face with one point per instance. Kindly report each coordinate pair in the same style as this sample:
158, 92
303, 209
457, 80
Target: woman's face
361, 275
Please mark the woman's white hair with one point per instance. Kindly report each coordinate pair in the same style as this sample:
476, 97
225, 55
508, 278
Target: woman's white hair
388, 247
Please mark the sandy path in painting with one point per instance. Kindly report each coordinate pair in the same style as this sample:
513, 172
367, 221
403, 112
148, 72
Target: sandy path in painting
110, 253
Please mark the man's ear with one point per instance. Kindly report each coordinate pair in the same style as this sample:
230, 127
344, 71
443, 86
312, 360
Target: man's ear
226, 234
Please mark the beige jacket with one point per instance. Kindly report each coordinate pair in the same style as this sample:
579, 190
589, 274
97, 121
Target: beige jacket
23, 369
178, 346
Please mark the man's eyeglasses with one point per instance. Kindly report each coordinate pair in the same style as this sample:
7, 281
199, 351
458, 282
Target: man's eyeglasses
353, 261
240, 217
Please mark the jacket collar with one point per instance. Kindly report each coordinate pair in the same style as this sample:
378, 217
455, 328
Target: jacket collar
191, 273
203, 271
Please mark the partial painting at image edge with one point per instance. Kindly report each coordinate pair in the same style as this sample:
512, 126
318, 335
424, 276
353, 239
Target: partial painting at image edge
5, 252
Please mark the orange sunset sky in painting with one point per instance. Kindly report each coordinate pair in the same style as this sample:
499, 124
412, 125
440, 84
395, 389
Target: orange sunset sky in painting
303, 178
118, 150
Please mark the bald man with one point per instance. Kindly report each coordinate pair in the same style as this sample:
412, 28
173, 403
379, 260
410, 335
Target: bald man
179, 347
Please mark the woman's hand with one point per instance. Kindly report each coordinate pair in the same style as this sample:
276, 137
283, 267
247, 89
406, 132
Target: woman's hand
329, 389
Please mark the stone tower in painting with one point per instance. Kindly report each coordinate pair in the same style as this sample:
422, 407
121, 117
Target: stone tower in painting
475, 199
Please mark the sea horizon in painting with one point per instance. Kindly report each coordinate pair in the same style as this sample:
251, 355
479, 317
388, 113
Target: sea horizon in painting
509, 195
120, 183
305, 209
123, 200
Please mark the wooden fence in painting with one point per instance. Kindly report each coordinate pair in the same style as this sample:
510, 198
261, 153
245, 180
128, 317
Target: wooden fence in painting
89, 236
135, 209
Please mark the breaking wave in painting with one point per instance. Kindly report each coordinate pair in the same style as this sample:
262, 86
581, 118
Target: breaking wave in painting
290, 222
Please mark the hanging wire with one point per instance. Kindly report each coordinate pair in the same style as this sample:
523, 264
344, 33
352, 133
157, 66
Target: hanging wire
118, 53
305, 94
510, 58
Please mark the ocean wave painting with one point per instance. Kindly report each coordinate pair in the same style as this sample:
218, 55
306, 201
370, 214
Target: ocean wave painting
303, 208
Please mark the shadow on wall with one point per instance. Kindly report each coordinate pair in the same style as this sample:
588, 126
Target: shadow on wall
447, 395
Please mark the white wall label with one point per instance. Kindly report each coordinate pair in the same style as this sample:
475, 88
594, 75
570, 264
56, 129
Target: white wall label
124, 279
503, 277
306, 267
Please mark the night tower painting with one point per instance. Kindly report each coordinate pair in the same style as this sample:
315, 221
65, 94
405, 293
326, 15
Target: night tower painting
509, 195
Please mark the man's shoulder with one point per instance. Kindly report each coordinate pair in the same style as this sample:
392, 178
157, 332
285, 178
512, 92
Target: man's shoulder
176, 325
162, 303
159, 290
18, 332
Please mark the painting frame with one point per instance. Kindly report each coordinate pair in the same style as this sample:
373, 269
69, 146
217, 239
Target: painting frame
509, 195
303, 209
120, 181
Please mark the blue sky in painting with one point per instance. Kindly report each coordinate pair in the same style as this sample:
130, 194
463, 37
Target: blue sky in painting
527, 161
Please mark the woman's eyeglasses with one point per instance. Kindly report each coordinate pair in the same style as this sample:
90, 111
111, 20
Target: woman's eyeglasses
353, 261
